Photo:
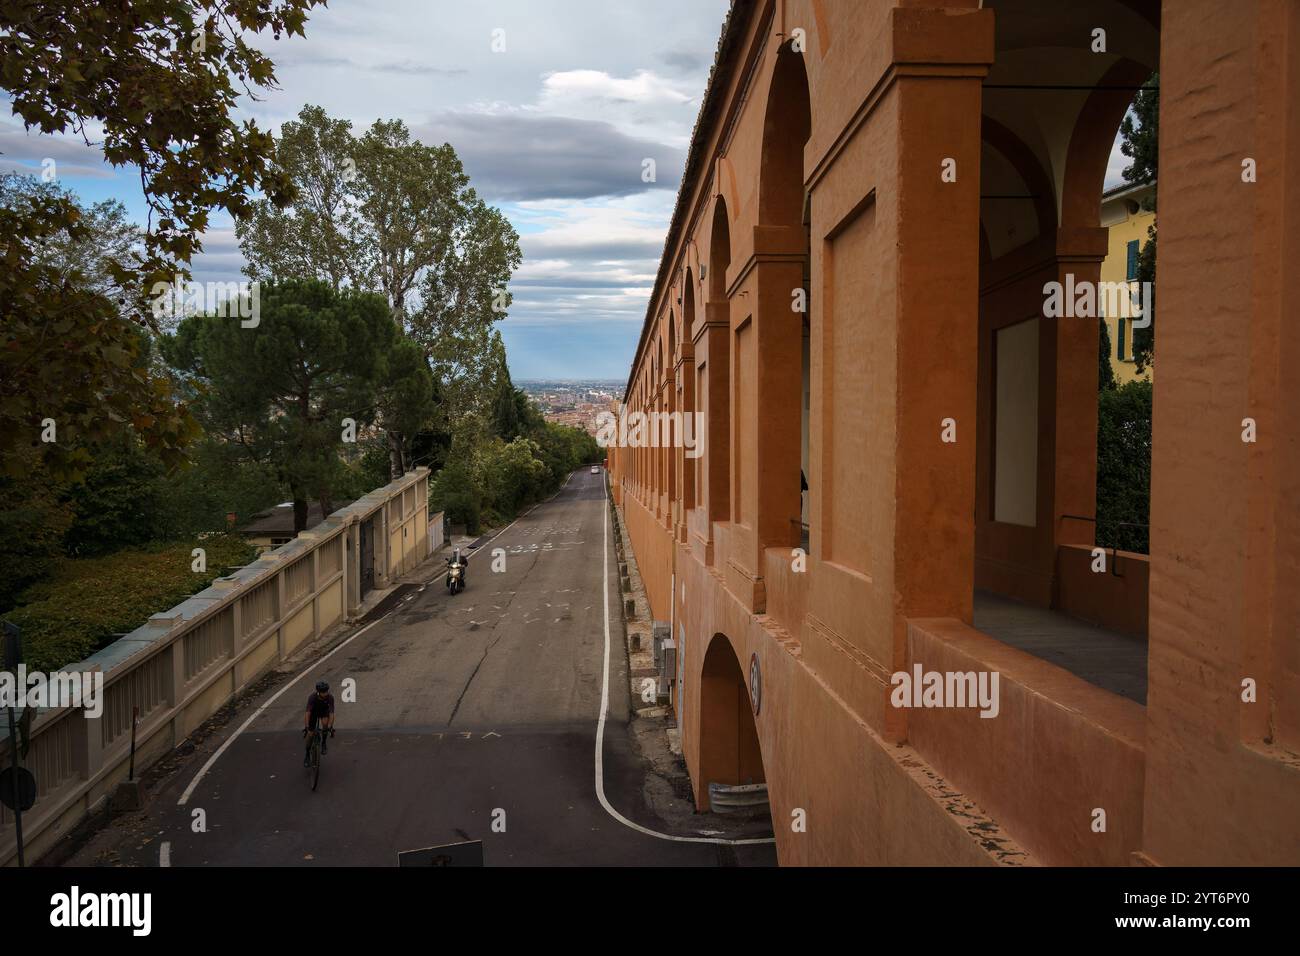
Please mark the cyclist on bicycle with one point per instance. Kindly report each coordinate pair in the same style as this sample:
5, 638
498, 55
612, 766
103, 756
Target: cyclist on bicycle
320, 710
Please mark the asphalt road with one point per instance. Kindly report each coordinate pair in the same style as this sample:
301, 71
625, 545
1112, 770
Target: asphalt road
475, 718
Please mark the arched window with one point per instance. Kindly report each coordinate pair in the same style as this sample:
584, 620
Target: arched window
713, 382
782, 202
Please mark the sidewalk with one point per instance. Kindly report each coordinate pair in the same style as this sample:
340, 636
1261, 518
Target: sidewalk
667, 790
420, 574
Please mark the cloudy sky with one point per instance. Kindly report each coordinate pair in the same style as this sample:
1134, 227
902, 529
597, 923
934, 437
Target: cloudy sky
554, 130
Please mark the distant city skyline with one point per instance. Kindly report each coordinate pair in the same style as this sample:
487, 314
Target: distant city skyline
570, 381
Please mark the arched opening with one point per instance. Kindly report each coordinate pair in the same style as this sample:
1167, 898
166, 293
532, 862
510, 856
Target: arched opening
787, 124
729, 750
719, 252
685, 393
783, 203
713, 380
668, 441
656, 406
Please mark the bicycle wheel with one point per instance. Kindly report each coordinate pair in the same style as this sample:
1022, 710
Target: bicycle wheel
315, 761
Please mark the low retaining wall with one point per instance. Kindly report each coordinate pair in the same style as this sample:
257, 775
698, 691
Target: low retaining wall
1115, 598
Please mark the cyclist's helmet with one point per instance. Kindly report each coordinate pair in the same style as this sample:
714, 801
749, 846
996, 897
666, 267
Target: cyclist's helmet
322, 686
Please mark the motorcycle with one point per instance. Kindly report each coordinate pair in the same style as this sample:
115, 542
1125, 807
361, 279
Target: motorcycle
455, 578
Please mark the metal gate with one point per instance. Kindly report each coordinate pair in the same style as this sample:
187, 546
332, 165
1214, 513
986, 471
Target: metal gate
367, 555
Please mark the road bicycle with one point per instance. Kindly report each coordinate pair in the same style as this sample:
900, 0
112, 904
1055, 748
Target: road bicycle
314, 752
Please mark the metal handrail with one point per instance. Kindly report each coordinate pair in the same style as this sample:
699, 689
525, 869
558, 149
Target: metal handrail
1114, 551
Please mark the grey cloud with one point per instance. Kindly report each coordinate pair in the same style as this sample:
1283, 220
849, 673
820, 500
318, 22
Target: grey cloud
566, 284
552, 247
516, 157
298, 58
62, 169
685, 61
407, 67
16, 144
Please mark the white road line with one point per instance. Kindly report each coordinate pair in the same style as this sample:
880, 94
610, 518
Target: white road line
600, 728
258, 713
520, 518
165, 854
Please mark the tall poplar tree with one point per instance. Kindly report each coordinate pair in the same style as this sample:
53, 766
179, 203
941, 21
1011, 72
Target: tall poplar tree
386, 213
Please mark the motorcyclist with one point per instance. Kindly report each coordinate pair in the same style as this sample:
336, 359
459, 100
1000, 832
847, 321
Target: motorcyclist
459, 560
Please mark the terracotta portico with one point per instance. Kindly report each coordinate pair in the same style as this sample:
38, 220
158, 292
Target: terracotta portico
852, 299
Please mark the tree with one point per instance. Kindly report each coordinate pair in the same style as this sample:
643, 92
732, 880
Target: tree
457, 490
221, 481
284, 389
115, 507
33, 520
461, 299
513, 474
512, 412
415, 200
507, 415
319, 235
161, 79
158, 81
1105, 371
1124, 466
388, 214
1140, 131
74, 371
106, 235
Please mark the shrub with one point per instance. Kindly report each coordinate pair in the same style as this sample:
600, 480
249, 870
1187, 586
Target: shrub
487, 481
1124, 467
457, 491
513, 475
85, 602
33, 520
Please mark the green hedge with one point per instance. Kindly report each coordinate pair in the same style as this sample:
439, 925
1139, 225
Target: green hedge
1124, 467
80, 607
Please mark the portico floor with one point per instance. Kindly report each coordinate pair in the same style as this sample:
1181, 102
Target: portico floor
1113, 661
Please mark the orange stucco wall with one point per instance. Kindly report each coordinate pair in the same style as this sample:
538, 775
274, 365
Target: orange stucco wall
1223, 774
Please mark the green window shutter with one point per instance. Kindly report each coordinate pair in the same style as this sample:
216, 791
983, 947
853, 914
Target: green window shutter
1132, 259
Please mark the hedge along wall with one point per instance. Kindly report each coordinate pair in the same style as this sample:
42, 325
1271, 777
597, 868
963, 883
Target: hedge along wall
68, 617
187, 662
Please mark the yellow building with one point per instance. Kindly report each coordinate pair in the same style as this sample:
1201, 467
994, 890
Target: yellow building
1123, 214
